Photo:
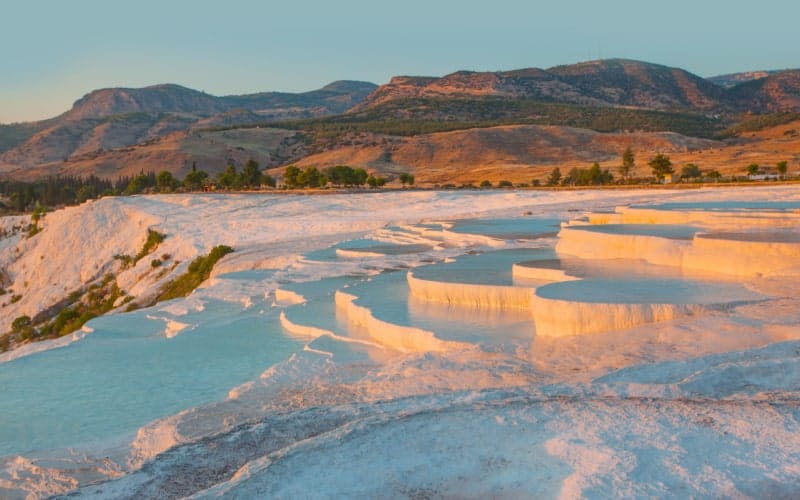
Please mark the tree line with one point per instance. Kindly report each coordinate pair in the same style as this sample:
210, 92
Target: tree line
53, 191
661, 168
338, 176
250, 177
59, 190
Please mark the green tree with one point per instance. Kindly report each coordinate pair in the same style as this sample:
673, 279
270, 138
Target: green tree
628, 163
195, 178
782, 167
714, 175
311, 177
360, 177
406, 178
753, 169
269, 180
139, 183
165, 181
229, 179
85, 192
690, 171
592, 176
290, 176
485, 184
251, 174
661, 166
375, 182
342, 175
555, 177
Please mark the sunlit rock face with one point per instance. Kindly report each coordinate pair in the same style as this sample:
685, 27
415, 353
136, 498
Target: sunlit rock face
599, 305
470, 295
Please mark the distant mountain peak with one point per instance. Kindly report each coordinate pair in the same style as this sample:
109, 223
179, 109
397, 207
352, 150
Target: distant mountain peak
606, 82
348, 86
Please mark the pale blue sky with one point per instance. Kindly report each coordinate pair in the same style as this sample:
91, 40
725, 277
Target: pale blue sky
54, 51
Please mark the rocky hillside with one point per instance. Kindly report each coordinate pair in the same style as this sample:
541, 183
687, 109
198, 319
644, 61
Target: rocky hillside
614, 82
775, 93
522, 153
518, 153
117, 118
336, 97
155, 99
619, 82
733, 79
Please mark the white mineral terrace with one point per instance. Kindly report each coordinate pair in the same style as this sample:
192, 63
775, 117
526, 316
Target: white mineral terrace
762, 245
681, 241
415, 344
470, 294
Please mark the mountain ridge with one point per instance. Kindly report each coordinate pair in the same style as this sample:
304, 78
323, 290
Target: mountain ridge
607, 82
109, 127
174, 98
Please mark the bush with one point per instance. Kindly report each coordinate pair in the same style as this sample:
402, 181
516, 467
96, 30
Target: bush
154, 238
20, 323
126, 260
155, 263
98, 300
199, 270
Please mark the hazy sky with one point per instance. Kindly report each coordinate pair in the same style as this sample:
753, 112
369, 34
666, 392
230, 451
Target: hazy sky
54, 51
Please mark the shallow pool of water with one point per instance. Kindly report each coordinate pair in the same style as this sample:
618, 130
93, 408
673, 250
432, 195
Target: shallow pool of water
524, 228
490, 268
724, 206
387, 297
128, 373
647, 291
671, 231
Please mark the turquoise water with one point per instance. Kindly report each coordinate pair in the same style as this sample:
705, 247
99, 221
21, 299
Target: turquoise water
127, 374
365, 245
319, 310
716, 206
490, 268
671, 231
613, 269
249, 275
509, 229
387, 296
329, 254
647, 291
